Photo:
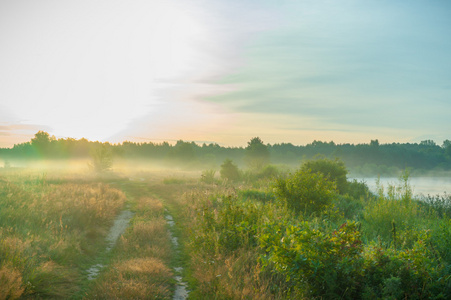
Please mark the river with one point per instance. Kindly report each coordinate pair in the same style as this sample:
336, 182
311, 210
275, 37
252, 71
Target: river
420, 185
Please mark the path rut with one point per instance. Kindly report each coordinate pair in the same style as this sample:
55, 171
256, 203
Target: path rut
119, 226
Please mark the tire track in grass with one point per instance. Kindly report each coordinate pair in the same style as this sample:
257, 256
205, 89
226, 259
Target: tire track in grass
119, 226
181, 291
138, 265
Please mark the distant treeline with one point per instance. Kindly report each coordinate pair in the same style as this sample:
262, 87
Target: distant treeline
361, 159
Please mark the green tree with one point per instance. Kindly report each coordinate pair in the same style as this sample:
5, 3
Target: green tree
257, 154
333, 170
102, 158
229, 171
42, 142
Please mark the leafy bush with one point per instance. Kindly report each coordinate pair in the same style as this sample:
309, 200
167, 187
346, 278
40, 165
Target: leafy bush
333, 170
208, 176
229, 171
327, 265
358, 189
231, 225
439, 205
256, 195
413, 273
305, 191
102, 158
257, 154
349, 207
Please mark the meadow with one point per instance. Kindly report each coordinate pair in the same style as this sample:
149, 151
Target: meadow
263, 233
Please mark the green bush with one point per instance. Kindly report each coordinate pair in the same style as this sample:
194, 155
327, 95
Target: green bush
358, 189
351, 208
305, 192
414, 273
229, 171
230, 225
256, 195
321, 265
208, 176
333, 170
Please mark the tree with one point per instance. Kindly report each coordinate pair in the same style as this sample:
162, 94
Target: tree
229, 171
102, 158
41, 142
257, 154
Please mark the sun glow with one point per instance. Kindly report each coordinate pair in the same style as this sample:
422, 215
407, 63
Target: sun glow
98, 67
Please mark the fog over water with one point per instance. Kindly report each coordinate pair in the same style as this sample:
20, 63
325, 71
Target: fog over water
420, 185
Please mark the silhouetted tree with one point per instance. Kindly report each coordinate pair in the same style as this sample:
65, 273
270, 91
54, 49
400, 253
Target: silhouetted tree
41, 142
257, 154
229, 171
102, 158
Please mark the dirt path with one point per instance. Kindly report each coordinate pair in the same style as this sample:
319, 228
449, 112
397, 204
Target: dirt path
119, 226
181, 291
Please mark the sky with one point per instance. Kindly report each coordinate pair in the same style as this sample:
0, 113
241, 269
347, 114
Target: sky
225, 71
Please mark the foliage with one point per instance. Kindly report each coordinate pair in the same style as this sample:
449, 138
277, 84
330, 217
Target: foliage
229, 171
394, 248
257, 154
350, 207
305, 192
102, 158
223, 231
358, 190
256, 195
439, 205
208, 176
362, 159
333, 170
327, 265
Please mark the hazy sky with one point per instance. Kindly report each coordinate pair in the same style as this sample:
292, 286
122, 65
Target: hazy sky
226, 70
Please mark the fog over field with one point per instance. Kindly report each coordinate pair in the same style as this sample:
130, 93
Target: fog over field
225, 149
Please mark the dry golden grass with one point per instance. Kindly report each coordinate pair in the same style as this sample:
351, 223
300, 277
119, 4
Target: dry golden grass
141, 256
11, 283
237, 276
47, 229
147, 205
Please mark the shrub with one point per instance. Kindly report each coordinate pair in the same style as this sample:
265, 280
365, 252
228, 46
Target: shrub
324, 265
208, 176
229, 171
350, 207
257, 154
256, 195
333, 170
358, 189
102, 158
305, 191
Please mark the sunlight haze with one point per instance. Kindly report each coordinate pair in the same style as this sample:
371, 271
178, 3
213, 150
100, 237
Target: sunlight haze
225, 71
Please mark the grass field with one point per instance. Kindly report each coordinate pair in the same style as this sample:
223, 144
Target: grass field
227, 239
53, 229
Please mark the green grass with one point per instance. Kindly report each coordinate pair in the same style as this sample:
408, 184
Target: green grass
236, 240
51, 231
138, 266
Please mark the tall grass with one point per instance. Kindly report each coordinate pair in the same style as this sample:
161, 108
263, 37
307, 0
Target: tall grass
243, 245
49, 231
223, 231
139, 265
